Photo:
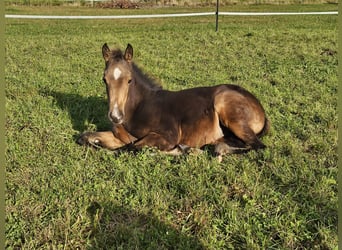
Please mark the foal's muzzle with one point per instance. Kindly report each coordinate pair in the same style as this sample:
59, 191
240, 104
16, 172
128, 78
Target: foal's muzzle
115, 117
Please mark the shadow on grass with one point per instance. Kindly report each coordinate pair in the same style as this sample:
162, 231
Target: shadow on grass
83, 111
115, 227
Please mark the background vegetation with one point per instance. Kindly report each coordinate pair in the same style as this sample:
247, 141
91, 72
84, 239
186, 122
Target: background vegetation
60, 195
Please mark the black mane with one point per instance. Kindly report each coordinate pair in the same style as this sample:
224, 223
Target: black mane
144, 79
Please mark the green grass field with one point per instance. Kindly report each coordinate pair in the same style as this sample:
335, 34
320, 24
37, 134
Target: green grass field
60, 195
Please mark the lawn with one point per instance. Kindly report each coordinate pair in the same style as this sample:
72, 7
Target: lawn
60, 195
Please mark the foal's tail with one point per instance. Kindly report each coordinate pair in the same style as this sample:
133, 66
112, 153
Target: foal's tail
265, 129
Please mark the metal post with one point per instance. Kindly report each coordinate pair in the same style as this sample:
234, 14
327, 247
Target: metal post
217, 14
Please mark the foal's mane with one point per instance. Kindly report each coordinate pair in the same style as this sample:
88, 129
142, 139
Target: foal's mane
141, 77
144, 79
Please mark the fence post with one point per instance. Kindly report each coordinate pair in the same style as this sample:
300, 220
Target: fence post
217, 14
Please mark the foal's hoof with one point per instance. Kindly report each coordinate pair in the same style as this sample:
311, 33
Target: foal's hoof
185, 149
83, 139
223, 149
87, 139
259, 145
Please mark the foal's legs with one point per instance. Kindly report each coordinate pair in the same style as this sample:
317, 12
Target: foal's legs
230, 145
155, 140
238, 134
246, 134
243, 115
100, 139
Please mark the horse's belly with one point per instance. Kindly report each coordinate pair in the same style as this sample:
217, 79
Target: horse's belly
201, 132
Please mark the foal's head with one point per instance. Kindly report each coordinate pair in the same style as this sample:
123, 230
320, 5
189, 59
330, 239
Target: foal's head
117, 77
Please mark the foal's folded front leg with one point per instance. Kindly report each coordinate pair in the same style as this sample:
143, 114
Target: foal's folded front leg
155, 140
104, 139
122, 134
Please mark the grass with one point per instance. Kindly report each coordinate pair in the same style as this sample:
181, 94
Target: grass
63, 196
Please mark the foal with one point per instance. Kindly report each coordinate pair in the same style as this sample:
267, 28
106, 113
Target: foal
143, 114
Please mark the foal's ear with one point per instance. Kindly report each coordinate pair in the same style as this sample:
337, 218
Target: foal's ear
105, 52
129, 53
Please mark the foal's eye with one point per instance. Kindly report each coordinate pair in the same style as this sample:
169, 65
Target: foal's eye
104, 80
129, 81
